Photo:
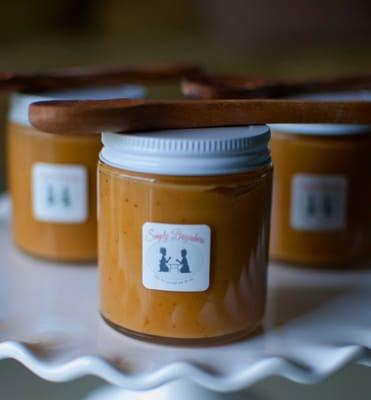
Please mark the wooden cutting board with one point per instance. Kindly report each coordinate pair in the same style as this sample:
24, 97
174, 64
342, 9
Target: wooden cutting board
97, 76
239, 87
80, 117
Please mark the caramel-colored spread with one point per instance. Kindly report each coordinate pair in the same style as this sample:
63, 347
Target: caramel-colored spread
54, 240
237, 210
335, 174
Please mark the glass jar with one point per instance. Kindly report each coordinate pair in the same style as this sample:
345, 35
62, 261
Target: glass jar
183, 232
52, 180
321, 214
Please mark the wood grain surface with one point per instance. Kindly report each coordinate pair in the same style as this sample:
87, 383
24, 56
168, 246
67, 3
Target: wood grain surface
79, 117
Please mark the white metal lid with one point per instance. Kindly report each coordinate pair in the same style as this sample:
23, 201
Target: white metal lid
193, 152
20, 102
327, 129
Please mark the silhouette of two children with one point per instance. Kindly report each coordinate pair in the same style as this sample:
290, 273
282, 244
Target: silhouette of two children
183, 262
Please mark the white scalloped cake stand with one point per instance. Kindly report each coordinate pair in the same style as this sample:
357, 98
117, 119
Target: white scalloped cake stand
316, 323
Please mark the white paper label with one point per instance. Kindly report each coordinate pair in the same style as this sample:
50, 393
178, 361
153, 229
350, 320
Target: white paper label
59, 193
318, 202
176, 257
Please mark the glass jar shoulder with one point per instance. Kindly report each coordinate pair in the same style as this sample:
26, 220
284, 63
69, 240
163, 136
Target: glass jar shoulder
146, 178
321, 140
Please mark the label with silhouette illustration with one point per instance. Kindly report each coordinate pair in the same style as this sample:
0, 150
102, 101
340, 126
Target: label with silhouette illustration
318, 202
176, 257
59, 193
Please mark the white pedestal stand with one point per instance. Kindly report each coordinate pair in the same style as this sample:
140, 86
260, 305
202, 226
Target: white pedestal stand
177, 390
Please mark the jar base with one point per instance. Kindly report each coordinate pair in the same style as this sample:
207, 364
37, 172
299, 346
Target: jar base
57, 260
204, 341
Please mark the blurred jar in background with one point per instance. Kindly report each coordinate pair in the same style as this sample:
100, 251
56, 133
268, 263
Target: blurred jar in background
52, 180
322, 192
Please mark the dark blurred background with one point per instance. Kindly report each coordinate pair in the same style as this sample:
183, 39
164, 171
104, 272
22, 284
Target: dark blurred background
297, 38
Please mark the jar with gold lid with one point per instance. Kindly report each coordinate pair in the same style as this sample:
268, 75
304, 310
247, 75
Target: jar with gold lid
184, 221
52, 180
322, 192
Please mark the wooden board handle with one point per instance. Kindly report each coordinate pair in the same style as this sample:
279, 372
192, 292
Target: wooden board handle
81, 117
93, 76
223, 87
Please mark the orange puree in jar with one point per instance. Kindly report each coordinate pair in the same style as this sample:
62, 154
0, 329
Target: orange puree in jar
321, 195
52, 181
183, 232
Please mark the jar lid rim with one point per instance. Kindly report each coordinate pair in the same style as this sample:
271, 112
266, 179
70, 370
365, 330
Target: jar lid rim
322, 129
200, 151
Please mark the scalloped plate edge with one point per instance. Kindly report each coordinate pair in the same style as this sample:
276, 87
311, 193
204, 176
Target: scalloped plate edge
93, 365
